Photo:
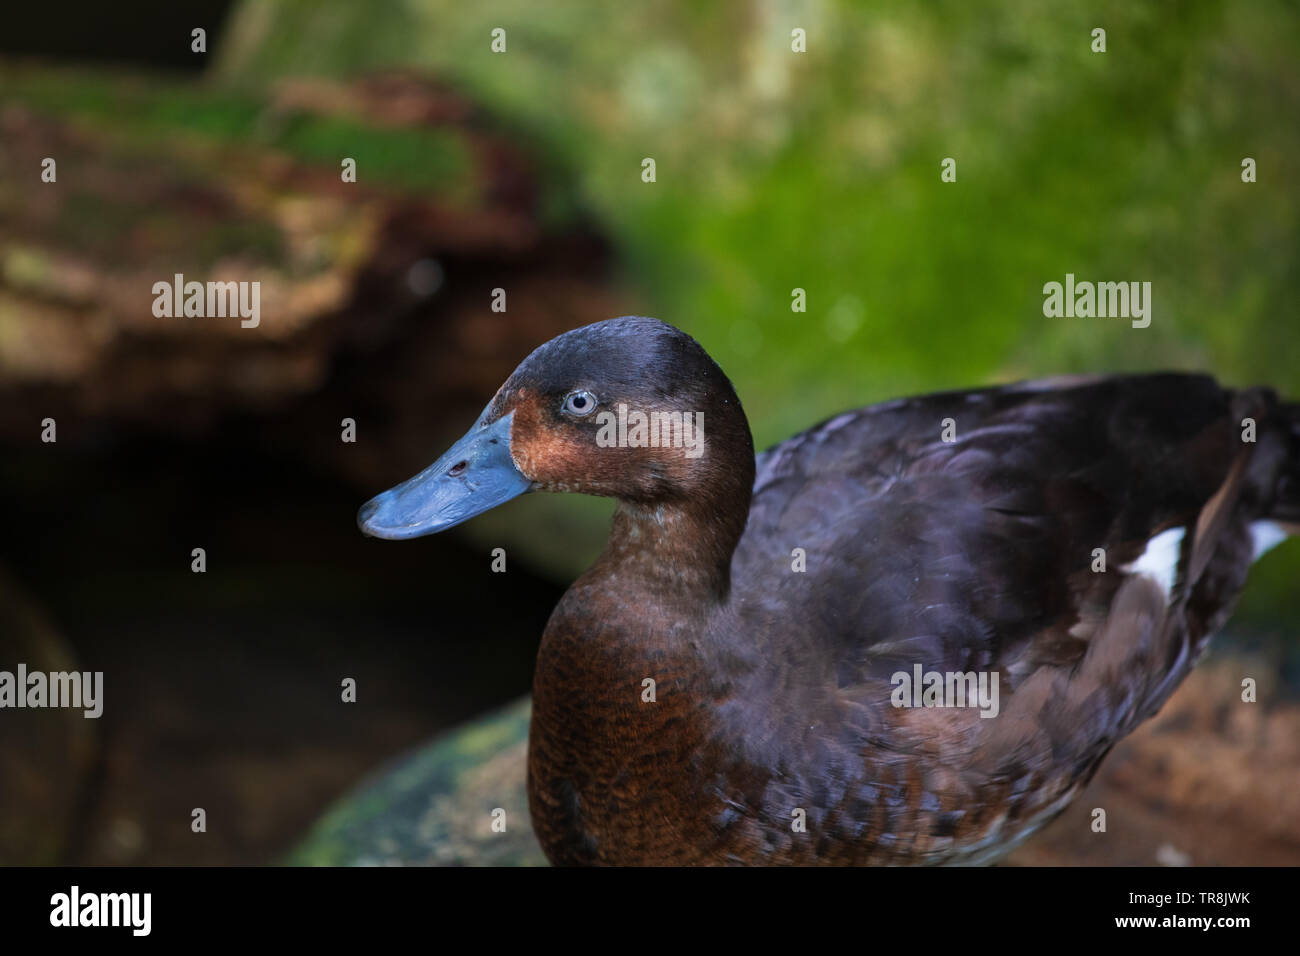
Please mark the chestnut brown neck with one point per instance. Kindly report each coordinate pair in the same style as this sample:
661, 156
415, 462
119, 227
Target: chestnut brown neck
677, 549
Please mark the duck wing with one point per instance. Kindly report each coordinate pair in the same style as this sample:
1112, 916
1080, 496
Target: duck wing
1078, 538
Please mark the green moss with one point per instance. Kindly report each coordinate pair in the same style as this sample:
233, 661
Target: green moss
144, 115
431, 807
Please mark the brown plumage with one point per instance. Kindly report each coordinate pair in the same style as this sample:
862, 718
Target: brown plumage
772, 686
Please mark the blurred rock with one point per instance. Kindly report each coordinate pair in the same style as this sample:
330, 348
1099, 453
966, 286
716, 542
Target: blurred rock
158, 179
435, 808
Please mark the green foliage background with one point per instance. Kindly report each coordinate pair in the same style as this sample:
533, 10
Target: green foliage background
821, 170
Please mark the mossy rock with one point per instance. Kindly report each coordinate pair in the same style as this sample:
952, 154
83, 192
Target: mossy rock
436, 807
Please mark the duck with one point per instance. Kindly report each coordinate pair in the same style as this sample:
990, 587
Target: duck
728, 683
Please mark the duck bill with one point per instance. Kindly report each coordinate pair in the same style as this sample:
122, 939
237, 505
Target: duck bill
475, 475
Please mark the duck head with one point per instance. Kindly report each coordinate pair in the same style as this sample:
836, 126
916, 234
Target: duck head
630, 408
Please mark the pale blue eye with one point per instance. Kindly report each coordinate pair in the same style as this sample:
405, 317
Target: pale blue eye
579, 403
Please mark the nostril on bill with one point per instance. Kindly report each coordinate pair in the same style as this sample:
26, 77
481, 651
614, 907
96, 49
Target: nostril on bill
457, 468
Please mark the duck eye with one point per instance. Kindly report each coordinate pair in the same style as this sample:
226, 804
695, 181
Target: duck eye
580, 403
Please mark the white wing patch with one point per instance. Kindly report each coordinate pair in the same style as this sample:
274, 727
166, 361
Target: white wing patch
1160, 559
1265, 535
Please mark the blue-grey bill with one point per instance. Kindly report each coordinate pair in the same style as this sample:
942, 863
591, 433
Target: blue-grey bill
475, 475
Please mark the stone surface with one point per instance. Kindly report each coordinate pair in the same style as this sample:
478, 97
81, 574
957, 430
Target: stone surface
394, 271
436, 807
